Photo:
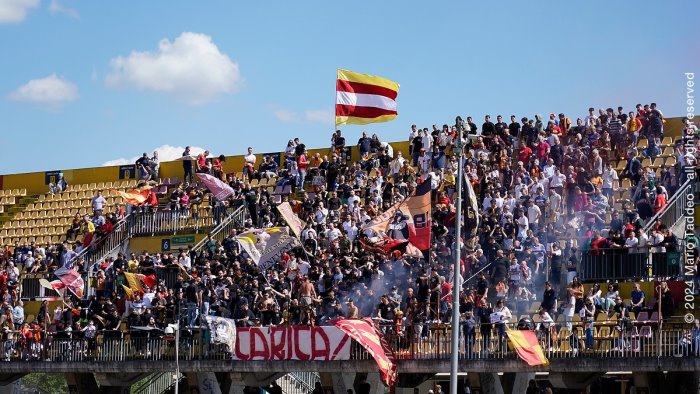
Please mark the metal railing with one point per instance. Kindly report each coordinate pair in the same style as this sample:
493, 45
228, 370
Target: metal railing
618, 264
157, 383
106, 244
233, 221
172, 222
299, 382
674, 209
599, 339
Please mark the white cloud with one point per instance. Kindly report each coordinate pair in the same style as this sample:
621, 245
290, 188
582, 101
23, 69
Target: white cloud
191, 68
15, 11
50, 92
57, 8
165, 153
323, 116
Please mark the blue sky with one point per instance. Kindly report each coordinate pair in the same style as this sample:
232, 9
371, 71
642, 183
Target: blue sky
87, 82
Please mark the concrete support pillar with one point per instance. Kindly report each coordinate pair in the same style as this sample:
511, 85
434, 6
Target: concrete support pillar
340, 383
375, 381
640, 380
81, 383
516, 382
208, 384
490, 383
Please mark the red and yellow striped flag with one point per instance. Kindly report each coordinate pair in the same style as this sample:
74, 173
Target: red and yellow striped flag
363, 99
528, 348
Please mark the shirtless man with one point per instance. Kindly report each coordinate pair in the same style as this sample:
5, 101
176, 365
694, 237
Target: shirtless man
307, 293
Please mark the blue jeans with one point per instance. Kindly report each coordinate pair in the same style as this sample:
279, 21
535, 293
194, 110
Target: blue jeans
192, 313
589, 334
302, 177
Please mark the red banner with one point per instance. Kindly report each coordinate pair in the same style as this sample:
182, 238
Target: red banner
291, 343
366, 334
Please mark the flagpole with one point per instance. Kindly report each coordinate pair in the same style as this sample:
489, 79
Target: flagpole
454, 363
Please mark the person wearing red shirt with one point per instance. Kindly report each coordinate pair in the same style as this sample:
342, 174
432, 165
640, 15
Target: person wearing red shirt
580, 199
202, 162
524, 154
542, 151
659, 201
302, 167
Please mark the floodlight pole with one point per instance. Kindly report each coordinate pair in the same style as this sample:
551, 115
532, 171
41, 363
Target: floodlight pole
454, 363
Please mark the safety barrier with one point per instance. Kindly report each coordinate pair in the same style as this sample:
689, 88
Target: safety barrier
601, 339
618, 264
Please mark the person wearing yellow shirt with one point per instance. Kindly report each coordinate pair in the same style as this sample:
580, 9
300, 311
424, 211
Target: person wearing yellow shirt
133, 264
634, 125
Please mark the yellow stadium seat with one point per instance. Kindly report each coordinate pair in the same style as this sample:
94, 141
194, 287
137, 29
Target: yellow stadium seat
100, 185
646, 162
667, 141
22, 192
670, 162
657, 162
668, 152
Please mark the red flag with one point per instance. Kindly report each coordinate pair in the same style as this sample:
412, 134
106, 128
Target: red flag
528, 347
366, 334
72, 280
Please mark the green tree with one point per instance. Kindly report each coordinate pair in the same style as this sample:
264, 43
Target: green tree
50, 383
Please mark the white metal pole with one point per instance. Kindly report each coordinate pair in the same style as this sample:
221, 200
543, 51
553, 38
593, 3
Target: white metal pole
455, 281
177, 358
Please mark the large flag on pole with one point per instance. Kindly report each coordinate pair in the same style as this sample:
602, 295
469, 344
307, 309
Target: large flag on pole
472, 211
363, 99
216, 186
408, 220
528, 347
266, 246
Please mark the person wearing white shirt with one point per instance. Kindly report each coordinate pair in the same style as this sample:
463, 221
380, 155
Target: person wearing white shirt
308, 232
631, 242
610, 182
424, 162
350, 229
523, 225
395, 166
533, 215
321, 213
498, 201
353, 202
555, 202
185, 260
332, 233
643, 244
657, 240
303, 267
427, 141
519, 187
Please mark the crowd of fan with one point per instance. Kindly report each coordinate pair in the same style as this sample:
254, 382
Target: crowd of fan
546, 191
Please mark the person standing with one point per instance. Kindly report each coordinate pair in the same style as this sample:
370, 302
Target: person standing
187, 166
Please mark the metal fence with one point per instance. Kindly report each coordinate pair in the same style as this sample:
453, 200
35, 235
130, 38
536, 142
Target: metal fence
174, 221
618, 264
106, 244
233, 221
674, 209
599, 339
